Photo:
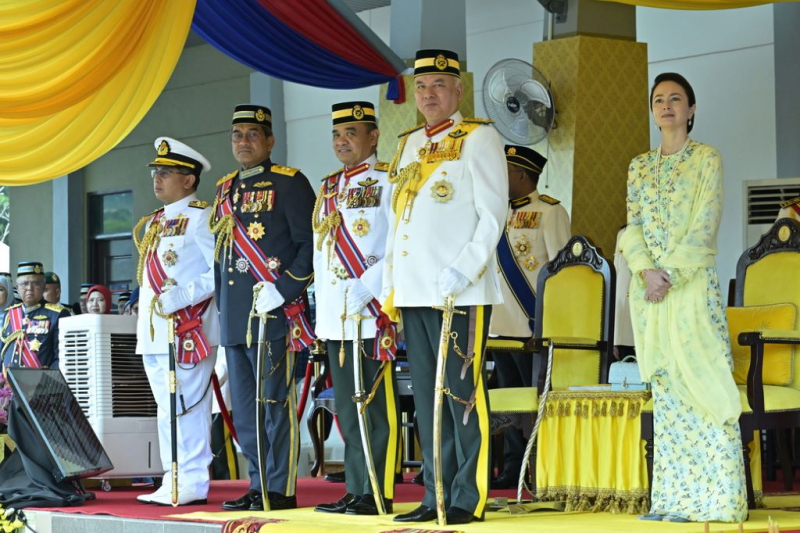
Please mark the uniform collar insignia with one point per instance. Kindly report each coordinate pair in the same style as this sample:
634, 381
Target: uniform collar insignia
251, 172
350, 172
520, 202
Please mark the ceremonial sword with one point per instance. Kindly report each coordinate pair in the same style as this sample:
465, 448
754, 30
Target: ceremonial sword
261, 355
360, 398
448, 310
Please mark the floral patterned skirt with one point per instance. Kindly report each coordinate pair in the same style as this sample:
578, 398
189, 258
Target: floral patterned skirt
698, 472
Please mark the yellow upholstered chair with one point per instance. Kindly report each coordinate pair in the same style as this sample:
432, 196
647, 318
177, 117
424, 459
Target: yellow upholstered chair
769, 274
574, 315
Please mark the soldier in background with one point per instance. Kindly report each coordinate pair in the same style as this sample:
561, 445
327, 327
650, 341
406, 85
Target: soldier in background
537, 228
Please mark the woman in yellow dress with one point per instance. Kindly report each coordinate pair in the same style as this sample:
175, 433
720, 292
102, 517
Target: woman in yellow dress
680, 331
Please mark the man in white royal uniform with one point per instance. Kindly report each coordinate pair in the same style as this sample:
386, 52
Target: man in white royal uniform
790, 209
351, 218
537, 228
449, 204
176, 258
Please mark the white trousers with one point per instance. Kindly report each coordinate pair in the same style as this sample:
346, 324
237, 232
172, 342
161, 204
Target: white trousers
194, 419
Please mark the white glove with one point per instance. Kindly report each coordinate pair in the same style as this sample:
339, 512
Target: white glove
268, 298
451, 281
357, 297
173, 300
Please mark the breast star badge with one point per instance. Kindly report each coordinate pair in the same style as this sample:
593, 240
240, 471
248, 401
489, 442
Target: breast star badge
35, 344
442, 191
360, 227
273, 264
521, 247
255, 230
242, 265
169, 258
530, 263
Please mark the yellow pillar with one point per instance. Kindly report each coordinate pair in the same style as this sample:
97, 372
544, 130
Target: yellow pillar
600, 86
394, 119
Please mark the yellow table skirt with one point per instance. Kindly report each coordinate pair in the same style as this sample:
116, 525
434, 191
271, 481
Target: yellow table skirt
591, 453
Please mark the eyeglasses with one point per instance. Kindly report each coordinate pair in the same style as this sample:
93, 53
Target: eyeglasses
252, 136
164, 172
25, 284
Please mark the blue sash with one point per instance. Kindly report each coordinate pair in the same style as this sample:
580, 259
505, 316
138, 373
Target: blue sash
523, 292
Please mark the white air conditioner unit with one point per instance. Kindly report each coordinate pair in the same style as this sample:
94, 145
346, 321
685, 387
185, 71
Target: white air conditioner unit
762, 201
97, 355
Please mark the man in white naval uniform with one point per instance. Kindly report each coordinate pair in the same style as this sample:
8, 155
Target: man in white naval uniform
450, 199
351, 219
176, 258
537, 227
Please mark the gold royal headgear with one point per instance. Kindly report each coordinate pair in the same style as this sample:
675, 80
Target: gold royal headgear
347, 112
437, 62
172, 153
525, 157
252, 114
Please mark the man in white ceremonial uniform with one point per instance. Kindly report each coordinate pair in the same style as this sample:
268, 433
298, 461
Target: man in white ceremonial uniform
536, 229
176, 258
351, 218
450, 196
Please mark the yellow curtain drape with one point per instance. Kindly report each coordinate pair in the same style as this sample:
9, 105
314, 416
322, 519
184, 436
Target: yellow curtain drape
697, 4
76, 76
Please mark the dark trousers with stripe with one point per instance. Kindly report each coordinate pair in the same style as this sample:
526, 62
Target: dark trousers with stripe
465, 453
282, 436
383, 418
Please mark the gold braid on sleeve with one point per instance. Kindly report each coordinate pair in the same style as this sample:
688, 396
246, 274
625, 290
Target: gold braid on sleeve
223, 228
19, 334
327, 223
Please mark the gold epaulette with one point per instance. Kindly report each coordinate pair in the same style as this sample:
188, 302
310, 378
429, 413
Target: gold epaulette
791, 202
54, 307
411, 130
199, 204
478, 121
383, 167
227, 177
286, 171
13, 306
549, 199
333, 174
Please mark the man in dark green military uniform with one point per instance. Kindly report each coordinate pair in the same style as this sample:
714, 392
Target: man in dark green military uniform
30, 329
262, 221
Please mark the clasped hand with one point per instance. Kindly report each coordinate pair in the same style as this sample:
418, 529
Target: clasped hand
658, 283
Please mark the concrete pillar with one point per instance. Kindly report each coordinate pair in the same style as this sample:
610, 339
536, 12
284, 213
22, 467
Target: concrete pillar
787, 79
69, 238
268, 91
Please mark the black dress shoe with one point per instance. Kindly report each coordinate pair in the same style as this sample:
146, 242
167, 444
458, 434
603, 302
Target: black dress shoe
243, 503
340, 506
456, 515
419, 479
366, 506
503, 482
335, 477
277, 502
420, 514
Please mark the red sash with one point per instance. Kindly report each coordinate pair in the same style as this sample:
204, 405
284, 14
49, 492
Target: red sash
352, 259
28, 356
192, 346
301, 333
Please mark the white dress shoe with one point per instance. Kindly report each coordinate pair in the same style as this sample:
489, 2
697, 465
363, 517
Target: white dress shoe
185, 497
148, 498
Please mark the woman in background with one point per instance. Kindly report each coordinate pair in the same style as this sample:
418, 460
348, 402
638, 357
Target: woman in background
680, 332
98, 300
6, 296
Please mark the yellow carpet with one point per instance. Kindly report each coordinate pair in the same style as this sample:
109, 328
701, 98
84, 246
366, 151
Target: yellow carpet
306, 520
